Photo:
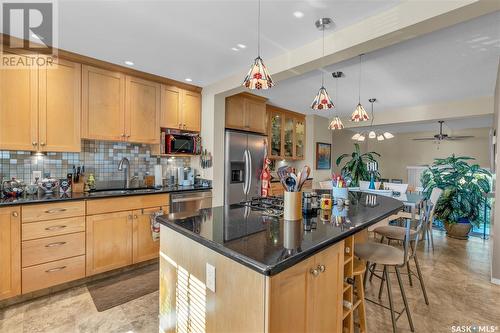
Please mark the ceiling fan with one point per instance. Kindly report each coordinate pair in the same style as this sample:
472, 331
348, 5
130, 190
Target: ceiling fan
444, 137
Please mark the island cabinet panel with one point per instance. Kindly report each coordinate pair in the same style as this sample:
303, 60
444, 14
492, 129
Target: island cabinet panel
10, 252
109, 241
186, 303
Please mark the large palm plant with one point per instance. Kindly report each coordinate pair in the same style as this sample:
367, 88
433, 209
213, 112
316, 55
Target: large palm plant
463, 185
356, 168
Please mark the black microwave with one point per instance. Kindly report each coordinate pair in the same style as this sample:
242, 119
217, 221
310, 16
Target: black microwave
182, 144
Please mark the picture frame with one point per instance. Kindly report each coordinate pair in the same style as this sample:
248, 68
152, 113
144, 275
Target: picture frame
323, 156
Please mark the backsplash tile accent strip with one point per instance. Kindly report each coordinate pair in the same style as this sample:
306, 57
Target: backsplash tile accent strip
99, 157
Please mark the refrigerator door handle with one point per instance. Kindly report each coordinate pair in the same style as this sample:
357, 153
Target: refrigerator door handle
250, 171
246, 185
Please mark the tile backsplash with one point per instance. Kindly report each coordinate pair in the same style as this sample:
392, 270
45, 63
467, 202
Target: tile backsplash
99, 157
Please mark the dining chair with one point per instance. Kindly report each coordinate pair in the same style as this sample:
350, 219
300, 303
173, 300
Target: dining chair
434, 197
389, 256
396, 181
326, 185
397, 187
364, 185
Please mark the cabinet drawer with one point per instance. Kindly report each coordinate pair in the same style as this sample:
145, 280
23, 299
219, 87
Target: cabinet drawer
50, 228
100, 206
43, 250
59, 210
53, 273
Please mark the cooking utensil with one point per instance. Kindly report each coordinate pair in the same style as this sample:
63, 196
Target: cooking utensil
304, 174
290, 183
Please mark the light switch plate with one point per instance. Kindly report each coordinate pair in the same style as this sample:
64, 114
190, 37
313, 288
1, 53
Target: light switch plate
35, 175
210, 277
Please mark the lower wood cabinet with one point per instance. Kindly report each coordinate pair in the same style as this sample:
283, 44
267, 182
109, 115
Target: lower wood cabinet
10, 252
109, 241
144, 247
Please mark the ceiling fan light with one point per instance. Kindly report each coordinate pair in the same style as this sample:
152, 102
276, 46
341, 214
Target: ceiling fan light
380, 137
336, 124
322, 101
356, 136
372, 135
388, 135
361, 138
258, 77
359, 114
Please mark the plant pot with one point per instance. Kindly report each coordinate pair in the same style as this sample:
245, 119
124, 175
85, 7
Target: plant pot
458, 230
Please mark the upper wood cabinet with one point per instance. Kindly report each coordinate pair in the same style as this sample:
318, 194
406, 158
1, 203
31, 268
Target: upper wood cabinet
10, 252
287, 133
103, 104
142, 110
246, 112
40, 108
118, 107
180, 109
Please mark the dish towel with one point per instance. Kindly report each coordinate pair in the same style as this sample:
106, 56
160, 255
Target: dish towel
155, 225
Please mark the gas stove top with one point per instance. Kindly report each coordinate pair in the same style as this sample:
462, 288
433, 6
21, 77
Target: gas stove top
270, 206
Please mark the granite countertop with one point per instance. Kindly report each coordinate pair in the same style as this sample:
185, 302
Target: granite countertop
55, 197
269, 245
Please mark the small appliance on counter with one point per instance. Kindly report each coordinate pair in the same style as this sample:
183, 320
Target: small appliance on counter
48, 184
13, 188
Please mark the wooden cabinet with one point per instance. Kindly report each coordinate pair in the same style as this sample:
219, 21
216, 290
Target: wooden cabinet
180, 109
10, 252
142, 110
287, 134
246, 112
40, 108
144, 247
301, 297
109, 241
117, 107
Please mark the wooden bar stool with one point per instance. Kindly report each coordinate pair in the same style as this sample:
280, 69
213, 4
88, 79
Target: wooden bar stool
359, 269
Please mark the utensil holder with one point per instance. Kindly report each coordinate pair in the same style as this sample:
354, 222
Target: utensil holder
292, 209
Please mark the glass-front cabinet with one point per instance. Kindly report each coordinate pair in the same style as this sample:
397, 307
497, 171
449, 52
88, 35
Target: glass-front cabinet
286, 134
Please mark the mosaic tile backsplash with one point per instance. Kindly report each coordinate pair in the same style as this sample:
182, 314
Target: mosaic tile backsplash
99, 157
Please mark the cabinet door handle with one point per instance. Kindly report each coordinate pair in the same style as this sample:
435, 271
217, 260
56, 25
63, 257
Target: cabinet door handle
321, 268
15, 214
55, 227
314, 272
55, 244
135, 217
42, 143
123, 135
180, 125
55, 210
34, 143
56, 269
130, 217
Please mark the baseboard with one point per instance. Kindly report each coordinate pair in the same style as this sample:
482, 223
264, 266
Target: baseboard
495, 281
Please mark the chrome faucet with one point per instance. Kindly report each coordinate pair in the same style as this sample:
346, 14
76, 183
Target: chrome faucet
125, 164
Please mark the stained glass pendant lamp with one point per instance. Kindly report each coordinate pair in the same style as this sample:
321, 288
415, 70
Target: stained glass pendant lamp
258, 76
322, 101
336, 123
359, 113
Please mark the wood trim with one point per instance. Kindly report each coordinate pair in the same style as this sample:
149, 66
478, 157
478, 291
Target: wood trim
85, 60
289, 112
127, 203
252, 96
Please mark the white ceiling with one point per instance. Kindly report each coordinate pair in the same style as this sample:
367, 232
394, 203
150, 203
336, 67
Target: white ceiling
449, 126
193, 39
451, 64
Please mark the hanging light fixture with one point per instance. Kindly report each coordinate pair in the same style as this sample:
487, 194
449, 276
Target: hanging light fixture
359, 113
322, 101
258, 77
371, 133
336, 123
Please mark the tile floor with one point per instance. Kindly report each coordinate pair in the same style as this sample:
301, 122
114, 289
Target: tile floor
456, 275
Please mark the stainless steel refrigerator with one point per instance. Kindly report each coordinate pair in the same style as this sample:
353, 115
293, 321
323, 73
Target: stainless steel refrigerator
244, 159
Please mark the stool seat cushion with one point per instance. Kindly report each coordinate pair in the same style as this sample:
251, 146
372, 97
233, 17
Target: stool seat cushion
377, 253
394, 232
359, 267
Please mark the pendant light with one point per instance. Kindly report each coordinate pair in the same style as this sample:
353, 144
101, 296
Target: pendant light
371, 133
359, 113
258, 77
322, 101
336, 123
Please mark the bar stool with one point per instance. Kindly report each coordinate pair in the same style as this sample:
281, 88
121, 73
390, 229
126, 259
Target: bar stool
389, 256
359, 269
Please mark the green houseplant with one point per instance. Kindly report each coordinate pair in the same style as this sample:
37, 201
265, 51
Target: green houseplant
356, 168
464, 186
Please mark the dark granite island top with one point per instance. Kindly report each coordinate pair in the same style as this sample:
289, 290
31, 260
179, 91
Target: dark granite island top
269, 245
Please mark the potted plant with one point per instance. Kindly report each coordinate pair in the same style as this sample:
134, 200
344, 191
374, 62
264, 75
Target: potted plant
464, 186
356, 168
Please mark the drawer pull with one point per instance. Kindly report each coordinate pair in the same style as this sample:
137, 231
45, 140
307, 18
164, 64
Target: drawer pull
55, 227
56, 210
55, 244
15, 214
56, 269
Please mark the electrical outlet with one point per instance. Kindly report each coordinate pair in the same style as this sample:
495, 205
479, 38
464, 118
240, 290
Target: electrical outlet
36, 175
210, 277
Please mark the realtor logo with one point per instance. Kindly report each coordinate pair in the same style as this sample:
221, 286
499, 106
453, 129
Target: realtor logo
29, 21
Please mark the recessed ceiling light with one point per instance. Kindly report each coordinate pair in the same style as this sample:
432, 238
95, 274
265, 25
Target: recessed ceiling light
189, 79
129, 63
298, 14
234, 49
242, 46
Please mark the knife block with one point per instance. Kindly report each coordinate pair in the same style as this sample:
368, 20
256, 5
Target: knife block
292, 206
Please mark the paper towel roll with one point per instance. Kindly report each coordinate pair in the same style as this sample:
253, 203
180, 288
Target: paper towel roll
158, 175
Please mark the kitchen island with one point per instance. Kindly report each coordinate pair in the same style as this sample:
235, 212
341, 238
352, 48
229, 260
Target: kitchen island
234, 269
